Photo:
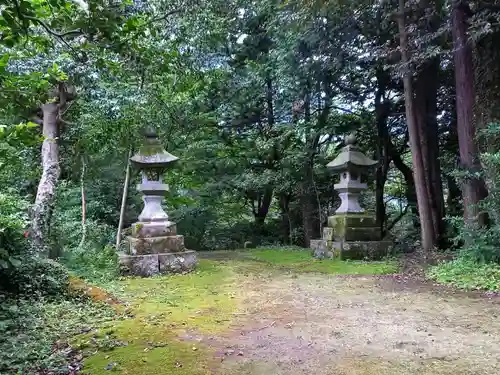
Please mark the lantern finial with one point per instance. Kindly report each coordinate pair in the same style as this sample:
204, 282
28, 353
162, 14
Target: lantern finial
350, 139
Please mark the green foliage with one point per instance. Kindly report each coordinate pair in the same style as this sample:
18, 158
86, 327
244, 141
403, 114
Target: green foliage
93, 264
214, 229
36, 333
477, 265
21, 271
93, 259
38, 277
13, 221
479, 245
467, 274
482, 244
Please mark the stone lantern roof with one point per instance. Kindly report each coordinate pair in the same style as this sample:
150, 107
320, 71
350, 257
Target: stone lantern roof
152, 155
351, 158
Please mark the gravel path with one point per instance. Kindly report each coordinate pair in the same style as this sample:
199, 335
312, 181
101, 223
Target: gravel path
319, 325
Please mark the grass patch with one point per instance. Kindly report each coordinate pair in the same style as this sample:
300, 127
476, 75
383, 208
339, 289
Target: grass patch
467, 275
162, 309
302, 261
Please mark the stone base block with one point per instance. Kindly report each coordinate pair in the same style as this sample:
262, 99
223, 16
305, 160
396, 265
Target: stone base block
351, 220
352, 227
153, 229
325, 249
157, 264
156, 245
361, 234
177, 262
139, 265
366, 250
354, 250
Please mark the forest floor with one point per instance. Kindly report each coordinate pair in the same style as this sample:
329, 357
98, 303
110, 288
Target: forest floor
270, 312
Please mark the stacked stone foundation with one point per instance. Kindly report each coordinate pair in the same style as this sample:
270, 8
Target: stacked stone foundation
351, 236
155, 248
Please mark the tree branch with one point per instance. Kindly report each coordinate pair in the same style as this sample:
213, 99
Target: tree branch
397, 219
337, 108
37, 120
38, 21
49, 30
165, 16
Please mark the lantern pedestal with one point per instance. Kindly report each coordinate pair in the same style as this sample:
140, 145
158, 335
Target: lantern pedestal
351, 236
157, 264
155, 247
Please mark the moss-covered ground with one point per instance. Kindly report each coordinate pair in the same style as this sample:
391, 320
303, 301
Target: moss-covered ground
257, 312
301, 261
146, 337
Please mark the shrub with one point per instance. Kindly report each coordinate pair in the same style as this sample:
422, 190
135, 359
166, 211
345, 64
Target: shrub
203, 229
36, 277
467, 274
92, 263
13, 221
22, 271
36, 334
91, 256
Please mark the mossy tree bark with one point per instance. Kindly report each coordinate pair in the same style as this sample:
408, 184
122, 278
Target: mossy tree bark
424, 207
426, 87
50, 174
41, 211
382, 112
473, 187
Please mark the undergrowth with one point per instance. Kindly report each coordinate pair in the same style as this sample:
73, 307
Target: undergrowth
96, 265
467, 274
35, 333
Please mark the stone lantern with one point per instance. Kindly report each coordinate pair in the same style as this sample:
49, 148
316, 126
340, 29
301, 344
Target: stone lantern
350, 164
351, 233
154, 245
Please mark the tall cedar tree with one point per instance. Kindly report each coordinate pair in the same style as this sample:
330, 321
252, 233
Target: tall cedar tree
424, 205
473, 187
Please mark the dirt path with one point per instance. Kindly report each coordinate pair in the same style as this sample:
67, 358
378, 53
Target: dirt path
319, 325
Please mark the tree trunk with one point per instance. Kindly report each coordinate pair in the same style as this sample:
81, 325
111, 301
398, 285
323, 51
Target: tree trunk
473, 188
40, 224
264, 202
427, 228
426, 116
487, 76
265, 198
124, 202
84, 205
487, 94
286, 220
406, 171
308, 219
309, 202
382, 111
308, 207
453, 201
